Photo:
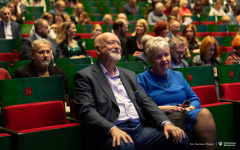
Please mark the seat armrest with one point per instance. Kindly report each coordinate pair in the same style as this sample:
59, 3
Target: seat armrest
9, 131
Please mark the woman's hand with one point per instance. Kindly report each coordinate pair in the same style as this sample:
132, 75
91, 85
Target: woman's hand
170, 108
190, 108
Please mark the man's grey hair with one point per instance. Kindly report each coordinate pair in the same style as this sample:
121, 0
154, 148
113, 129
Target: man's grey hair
38, 41
145, 39
5, 8
159, 4
154, 45
174, 41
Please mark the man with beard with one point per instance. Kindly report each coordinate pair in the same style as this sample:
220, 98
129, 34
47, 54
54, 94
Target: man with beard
110, 101
42, 30
120, 27
40, 65
177, 50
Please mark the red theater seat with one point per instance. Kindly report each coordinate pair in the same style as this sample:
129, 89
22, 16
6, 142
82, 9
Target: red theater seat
230, 91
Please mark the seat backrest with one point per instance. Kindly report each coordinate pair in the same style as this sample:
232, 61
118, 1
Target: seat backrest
207, 94
137, 65
230, 91
197, 76
34, 115
228, 73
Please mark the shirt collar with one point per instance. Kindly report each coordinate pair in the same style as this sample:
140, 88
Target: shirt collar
106, 72
6, 23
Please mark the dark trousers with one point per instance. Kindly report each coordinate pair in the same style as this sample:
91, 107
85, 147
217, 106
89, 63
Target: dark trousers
146, 138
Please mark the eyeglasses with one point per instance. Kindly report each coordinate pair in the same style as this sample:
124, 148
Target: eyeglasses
180, 53
111, 43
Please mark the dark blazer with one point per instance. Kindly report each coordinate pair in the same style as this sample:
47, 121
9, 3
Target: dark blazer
63, 46
169, 35
128, 10
16, 32
29, 71
132, 45
96, 104
26, 48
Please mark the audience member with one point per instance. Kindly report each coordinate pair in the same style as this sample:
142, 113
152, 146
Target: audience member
77, 12
233, 57
41, 55
107, 19
58, 19
175, 3
209, 52
174, 29
169, 90
47, 16
14, 14
38, 3
156, 15
161, 29
168, 8
71, 3
21, 8
42, 30
67, 17
120, 28
177, 51
233, 15
84, 18
183, 10
122, 16
100, 105
198, 10
206, 4
175, 12
70, 44
96, 30
228, 6
130, 8
60, 8
187, 52
134, 45
217, 10
9, 29
189, 32
143, 57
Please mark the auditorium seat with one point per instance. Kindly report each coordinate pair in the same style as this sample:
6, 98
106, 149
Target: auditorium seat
5, 141
217, 30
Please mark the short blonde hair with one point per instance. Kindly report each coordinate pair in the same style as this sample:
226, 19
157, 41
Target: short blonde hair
145, 24
105, 17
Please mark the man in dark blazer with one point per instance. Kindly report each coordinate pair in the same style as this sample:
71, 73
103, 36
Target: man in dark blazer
42, 30
131, 8
111, 102
174, 29
9, 29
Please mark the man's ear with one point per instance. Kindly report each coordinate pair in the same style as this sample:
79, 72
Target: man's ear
97, 49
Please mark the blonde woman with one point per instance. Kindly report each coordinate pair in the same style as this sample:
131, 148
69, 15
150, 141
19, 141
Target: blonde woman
107, 19
134, 45
78, 11
96, 30
70, 45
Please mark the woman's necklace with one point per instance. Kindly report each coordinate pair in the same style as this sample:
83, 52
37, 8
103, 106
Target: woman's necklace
165, 85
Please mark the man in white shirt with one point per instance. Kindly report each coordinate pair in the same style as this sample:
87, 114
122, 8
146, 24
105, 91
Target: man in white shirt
9, 29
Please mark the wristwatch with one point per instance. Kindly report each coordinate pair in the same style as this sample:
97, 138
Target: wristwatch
166, 123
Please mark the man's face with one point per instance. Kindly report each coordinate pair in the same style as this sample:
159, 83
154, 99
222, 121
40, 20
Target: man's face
175, 28
177, 54
124, 29
61, 7
42, 56
110, 48
44, 29
159, 10
231, 2
6, 15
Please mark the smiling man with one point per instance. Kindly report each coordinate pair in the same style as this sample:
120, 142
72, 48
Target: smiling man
177, 50
110, 101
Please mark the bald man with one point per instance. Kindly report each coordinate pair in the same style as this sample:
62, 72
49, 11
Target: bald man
120, 114
157, 14
60, 8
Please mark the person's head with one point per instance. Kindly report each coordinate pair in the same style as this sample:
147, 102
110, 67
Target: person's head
183, 3
132, 1
41, 53
161, 28
145, 39
209, 49
47, 16
158, 54
225, 20
67, 29
236, 44
141, 27
96, 30
59, 18
16, 2
42, 27
79, 9
168, 5
13, 8
67, 17
231, 2
107, 19
108, 48
60, 5
171, 19
84, 15
217, 5
177, 49
205, 2
189, 31
175, 11
235, 9
187, 52
120, 27
175, 27
159, 8
122, 16
6, 14
198, 6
